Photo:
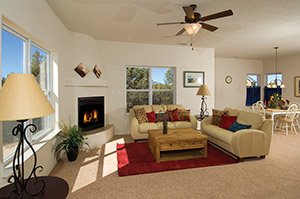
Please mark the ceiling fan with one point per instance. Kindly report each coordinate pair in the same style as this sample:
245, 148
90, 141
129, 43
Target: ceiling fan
194, 21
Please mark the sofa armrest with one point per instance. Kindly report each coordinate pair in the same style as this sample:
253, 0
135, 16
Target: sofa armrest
206, 121
133, 124
194, 121
249, 142
267, 129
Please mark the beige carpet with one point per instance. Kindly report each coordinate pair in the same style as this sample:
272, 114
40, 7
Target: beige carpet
94, 175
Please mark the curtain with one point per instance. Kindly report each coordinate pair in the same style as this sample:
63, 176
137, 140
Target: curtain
270, 91
253, 95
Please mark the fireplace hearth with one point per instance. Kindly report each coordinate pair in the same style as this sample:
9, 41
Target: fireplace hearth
91, 113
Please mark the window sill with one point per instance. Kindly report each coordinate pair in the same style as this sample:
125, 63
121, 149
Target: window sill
37, 146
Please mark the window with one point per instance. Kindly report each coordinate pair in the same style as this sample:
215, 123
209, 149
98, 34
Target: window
150, 85
21, 55
253, 89
271, 78
253, 80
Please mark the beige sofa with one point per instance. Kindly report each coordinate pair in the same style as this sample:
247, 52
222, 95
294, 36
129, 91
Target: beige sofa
140, 131
253, 142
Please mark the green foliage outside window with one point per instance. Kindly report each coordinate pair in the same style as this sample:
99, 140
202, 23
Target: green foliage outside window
138, 84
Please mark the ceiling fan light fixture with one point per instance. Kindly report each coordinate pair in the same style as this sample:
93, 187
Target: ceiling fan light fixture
192, 28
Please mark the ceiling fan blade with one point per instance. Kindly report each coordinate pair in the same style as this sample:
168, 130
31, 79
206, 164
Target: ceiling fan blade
208, 27
217, 15
189, 12
180, 32
170, 23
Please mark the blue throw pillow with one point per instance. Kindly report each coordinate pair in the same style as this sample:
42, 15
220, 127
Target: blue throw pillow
237, 126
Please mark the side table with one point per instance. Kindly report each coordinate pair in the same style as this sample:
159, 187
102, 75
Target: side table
55, 187
199, 119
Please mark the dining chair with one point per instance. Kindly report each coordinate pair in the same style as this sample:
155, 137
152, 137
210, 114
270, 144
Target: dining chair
296, 119
287, 121
258, 107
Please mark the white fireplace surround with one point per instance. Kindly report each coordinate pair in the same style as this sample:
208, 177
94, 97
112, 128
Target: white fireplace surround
76, 88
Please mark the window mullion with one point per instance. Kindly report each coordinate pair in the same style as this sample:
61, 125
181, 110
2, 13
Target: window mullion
150, 86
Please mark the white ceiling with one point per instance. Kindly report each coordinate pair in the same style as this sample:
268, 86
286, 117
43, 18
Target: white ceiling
252, 32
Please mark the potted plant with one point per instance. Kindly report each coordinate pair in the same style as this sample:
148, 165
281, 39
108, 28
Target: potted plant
72, 141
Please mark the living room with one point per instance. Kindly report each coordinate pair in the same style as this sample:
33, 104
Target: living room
78, 31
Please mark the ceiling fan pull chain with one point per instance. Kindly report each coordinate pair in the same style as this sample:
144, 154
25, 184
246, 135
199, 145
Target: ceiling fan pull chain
191, 44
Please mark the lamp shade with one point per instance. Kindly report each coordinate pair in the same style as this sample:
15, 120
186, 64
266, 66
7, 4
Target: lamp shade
21, 98
203, 90
192, 28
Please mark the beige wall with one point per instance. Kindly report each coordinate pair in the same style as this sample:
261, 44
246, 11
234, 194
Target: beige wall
289, 67
234, 94
115, 56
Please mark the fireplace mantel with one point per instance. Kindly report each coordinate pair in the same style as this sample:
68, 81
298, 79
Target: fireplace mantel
76, 82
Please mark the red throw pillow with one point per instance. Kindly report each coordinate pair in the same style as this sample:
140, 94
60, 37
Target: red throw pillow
173, 115
227, 121
151, 117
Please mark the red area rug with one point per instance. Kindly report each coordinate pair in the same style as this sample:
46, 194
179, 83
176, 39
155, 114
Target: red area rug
136, 158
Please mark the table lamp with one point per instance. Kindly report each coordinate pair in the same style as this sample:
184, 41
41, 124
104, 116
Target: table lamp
21, 98
203, 90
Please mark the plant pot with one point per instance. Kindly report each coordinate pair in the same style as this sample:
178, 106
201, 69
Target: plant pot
72, 154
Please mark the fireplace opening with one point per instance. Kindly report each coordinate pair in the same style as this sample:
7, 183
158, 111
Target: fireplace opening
90, 113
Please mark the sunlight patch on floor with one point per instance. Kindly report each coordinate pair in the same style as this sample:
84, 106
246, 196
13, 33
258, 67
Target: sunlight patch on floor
110, 164
87, 173
111, 147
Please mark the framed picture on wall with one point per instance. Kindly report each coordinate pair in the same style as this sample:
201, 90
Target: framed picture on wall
193, 79
297, 86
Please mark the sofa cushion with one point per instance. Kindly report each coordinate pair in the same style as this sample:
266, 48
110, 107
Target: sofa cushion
140, 115
218, 133
237, 126
161, 117
227, 121
148, 108
171, 125
151, 117
184, 115
174, 106
254, 119
232, 112
148, 126
159, 108
216, 117
183, 124
173, 115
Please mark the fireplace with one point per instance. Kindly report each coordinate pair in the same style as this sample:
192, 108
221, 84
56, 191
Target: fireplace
90, 113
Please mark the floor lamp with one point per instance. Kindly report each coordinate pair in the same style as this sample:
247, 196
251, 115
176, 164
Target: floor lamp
21, 98
203, 91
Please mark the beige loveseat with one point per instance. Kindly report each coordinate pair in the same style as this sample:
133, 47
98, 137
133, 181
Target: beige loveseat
253, 142
140, 131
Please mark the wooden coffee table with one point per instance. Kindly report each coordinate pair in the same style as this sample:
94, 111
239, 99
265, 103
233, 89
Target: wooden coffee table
177, 144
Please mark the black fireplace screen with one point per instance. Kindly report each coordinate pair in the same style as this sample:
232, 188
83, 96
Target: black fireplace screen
90, 113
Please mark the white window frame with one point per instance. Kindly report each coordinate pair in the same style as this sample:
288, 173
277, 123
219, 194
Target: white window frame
150, 90
27, 69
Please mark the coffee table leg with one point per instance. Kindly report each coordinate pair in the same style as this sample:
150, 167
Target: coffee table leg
205, 149
157, 153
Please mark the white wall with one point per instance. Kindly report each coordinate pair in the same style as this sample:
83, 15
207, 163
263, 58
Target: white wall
67, 50
80, 48
289, 67
234, 94
115, 56
38, 19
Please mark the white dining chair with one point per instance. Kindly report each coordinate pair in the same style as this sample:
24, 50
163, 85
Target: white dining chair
287, 121
258, 107
296, 119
